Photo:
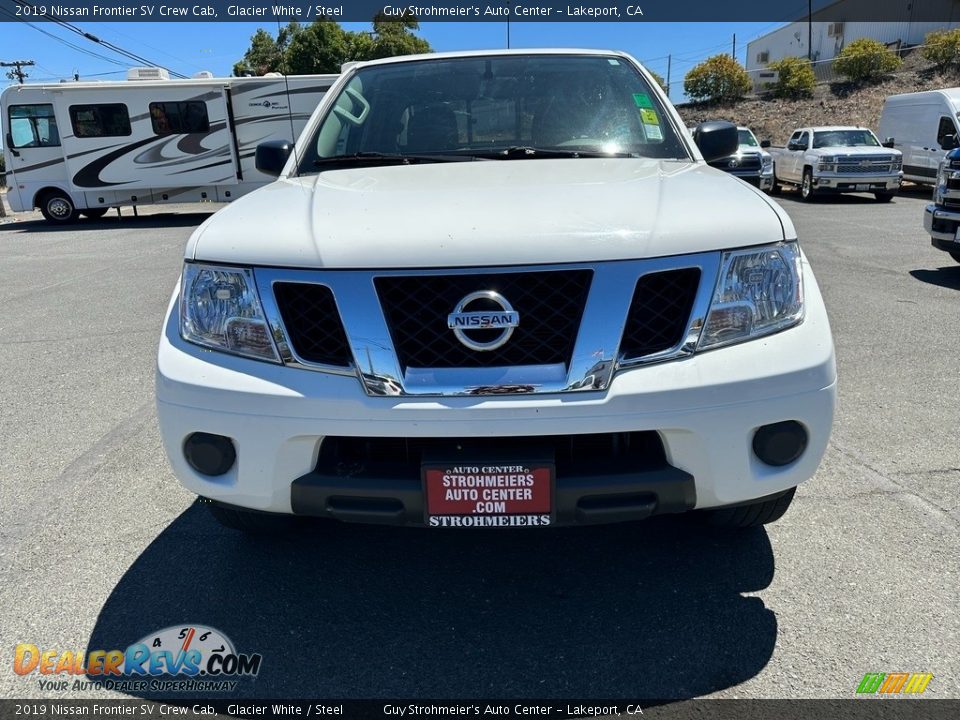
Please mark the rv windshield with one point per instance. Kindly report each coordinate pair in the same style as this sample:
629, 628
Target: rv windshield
497, 107
845, 138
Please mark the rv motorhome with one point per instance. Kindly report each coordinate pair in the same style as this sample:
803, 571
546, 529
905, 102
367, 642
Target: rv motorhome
84, 147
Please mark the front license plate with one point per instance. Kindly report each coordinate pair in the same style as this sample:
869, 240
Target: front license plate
863, 187
488, 494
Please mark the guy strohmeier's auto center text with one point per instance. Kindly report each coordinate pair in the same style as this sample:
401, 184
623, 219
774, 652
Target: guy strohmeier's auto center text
260, 9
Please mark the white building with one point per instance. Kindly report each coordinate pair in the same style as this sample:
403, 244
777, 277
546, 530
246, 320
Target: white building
831, 32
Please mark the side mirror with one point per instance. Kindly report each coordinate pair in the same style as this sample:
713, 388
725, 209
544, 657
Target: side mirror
272, 156
764, 144
888, 143
9, 144
716, 139
949, 142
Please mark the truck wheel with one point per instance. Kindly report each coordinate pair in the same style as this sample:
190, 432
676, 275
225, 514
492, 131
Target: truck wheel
58, 208
250, 521
753, 515
94, 213
806, 186
884, 197
955, 256
775, 188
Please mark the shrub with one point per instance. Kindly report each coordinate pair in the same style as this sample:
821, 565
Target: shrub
866, 61
942, 48
719, 78
796, 78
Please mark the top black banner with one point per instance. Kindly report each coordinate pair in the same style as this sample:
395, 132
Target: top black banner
633, 11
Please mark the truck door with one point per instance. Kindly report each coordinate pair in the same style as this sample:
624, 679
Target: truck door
34, 153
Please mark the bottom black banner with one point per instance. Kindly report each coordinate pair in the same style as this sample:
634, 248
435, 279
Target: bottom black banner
853, 709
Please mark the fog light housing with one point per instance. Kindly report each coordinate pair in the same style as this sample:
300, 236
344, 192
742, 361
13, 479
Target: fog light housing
781, 443
209, 454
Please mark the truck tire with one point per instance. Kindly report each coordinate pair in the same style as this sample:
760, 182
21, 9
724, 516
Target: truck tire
775, 188
755, 514
57, 207
94, 213
884, 197
250, 521
806, 186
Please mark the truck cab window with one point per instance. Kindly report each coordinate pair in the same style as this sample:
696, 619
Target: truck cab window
110, 120
177, 118
33, 126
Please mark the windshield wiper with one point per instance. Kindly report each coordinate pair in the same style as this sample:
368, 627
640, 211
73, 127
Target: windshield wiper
373, 158
525, 152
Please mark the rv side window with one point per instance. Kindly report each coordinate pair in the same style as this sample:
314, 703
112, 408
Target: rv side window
946, 128
175, 118
33, 126
100, 120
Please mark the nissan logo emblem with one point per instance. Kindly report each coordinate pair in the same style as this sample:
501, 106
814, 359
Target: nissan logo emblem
462, 320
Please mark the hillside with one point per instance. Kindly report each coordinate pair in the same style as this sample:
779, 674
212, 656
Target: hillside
832, 104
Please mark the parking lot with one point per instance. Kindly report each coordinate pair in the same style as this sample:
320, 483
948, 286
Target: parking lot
100, 545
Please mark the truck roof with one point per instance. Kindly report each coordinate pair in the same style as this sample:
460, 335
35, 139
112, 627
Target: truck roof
487, 53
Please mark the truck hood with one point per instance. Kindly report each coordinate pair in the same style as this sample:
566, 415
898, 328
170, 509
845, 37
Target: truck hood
481, 213
844, 151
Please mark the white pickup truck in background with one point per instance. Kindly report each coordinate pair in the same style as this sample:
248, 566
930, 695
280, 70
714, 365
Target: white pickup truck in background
821, 160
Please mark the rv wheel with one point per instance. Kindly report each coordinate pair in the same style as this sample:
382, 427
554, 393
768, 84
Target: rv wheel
58, 208
94, 213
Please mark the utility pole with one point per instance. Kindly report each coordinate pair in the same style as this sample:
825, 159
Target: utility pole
17, 73
669, 63
508, 25
734, 46
810, 30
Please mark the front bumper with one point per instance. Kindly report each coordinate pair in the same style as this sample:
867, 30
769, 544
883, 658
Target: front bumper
942, 225
835, 183
705, 410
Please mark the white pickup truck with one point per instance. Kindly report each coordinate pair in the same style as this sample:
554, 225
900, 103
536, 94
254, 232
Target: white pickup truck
837, 159
500, 290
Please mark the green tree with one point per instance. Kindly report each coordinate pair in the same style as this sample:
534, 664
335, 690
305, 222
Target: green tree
717, 79
660, 81
795, 78
866, 61
323, 46
942, 48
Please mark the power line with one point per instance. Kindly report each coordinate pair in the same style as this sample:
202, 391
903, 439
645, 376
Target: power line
18, 72
69, 44
93, 38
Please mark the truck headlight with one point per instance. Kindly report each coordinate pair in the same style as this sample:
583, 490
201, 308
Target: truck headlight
828, 163
766, 164
759, 292
220, 309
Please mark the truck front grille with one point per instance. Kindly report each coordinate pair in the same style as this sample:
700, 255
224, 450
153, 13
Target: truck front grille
550, 304
660, 312
864, 165
313, 323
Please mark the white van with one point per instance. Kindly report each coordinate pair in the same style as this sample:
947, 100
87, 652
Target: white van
924, 128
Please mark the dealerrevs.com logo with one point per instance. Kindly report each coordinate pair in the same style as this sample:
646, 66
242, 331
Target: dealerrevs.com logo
181, 658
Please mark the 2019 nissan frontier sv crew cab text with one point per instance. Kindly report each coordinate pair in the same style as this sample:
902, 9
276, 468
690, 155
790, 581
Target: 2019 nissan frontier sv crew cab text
496, 289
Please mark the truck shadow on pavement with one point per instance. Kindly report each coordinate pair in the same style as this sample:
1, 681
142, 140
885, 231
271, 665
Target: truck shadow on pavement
945, 277
110, 222
637, 611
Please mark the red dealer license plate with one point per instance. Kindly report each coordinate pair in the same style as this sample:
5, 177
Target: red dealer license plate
511, 494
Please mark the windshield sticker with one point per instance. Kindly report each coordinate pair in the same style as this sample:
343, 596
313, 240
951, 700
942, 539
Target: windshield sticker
653, 132
649, 117
642, 100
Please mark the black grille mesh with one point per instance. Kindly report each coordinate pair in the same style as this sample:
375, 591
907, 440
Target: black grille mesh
659, 312
310, 315
550, 305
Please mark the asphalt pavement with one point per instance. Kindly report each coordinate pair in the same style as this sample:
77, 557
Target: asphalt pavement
100, 546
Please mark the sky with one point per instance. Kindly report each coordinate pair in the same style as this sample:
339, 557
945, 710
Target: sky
190, 47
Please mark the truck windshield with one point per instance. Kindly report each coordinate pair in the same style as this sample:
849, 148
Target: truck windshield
505, 107
747, 138
844, 138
